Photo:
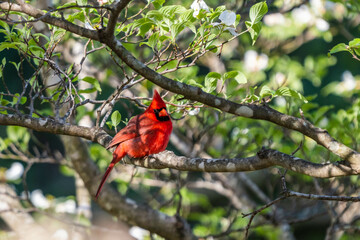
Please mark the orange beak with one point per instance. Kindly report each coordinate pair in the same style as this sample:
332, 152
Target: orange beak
163, 113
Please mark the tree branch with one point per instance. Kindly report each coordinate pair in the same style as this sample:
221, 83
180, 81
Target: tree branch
322, 197
51, 126
117, 7
47, 18
265, 158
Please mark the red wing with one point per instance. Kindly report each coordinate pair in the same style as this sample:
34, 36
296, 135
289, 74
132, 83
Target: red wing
130, 131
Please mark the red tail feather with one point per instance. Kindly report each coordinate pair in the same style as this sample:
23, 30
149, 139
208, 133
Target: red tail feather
106, 175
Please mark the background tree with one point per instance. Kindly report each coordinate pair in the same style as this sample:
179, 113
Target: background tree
234, 77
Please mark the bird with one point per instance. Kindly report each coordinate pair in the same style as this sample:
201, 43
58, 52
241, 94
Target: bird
145, 134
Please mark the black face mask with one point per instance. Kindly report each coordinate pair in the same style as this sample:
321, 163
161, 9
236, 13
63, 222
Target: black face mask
161, 118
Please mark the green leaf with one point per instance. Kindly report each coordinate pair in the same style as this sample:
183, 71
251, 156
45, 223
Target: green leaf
18, 134
266, 91
339, 48
78, 16
320, 112
144, 25
153, 40
231, 74
241, 78
7, 45
115, 118
16, 99
237, 21
155, 14
212, 47
192, 82
285, 91
23, 100
59, 33
176, 28
170, 11
237, 75
66, 171
3, 145
158, 3
88, 90
81, 2
355, 43
191, 26
4, 102
220, 9
109, 124
93, 81
298, 95
254, 30
5, 26
257, 11
187, 16
211, 81
68, 4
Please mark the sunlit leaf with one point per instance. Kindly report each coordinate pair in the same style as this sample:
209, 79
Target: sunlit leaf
257, 12
115, 118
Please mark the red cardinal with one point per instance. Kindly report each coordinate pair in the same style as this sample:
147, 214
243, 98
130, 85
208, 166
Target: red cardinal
145, 134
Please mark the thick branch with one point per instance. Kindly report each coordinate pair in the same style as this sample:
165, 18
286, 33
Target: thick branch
264, 159
118, 6
47, 18
51, 126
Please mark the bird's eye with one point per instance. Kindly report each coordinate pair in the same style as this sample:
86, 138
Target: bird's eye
161, 114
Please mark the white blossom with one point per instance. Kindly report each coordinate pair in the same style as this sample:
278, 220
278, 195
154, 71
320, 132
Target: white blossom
280, 78
14, 172
60, 234
322, 25
302, 15
255, 62
69, 206
280, 101
244, 131
39, 200
197, 5
194, 111
318, 7
274, 19
348, 81
227, 17
324, 122
102, 2
138, 233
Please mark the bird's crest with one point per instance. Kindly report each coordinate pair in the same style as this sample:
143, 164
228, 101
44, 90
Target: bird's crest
157, 102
